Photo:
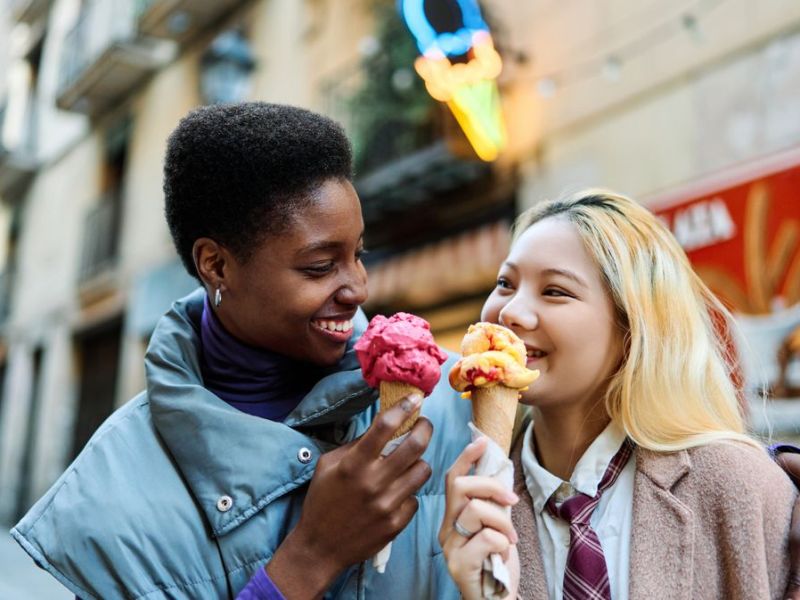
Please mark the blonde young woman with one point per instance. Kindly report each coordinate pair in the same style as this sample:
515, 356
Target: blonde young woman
635, 478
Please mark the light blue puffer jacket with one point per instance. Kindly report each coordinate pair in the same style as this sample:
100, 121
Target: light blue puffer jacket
137, 514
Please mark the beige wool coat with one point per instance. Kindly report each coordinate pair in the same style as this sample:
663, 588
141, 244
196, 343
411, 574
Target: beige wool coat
708, 523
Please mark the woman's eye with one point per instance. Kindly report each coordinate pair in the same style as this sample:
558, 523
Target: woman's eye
361, 252
320, 269
503, 283
556, 292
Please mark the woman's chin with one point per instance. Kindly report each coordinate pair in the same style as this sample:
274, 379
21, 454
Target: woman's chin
329, 359
532, 396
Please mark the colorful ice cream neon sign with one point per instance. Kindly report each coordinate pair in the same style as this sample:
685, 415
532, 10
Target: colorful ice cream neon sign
470, 88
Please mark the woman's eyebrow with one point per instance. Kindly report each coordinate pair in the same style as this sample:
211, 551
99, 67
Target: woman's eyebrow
324, 245
320, 246
565, 273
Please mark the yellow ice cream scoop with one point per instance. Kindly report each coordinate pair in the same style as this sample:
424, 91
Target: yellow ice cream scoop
483, 337
492, 355
490, 368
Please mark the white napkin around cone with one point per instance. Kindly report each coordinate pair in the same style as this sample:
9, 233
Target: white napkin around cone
380, 560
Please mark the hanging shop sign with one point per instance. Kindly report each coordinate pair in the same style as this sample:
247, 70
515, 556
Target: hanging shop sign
741, 231
460, 68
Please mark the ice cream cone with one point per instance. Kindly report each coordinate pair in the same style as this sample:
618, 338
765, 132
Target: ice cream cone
391, 393
493, 411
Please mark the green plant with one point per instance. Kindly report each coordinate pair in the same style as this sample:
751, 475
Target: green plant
392, 113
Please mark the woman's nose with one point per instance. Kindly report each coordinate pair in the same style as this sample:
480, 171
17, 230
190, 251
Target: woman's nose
519, 314
353, 290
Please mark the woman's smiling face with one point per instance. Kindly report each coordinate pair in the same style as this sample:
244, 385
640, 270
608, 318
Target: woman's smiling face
551, 294
299, 291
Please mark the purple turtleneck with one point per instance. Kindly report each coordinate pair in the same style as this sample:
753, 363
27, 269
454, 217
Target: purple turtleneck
255, 381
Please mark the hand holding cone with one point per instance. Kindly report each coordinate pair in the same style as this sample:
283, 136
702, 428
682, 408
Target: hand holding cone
399, 356
492, 372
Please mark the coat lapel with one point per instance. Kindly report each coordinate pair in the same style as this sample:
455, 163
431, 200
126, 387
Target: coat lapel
533, 583
662, 537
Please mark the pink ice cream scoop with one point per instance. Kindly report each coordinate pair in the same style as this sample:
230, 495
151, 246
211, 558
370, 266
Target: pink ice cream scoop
401, 349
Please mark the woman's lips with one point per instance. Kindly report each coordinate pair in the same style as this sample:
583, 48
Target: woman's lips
534, 356
339, 330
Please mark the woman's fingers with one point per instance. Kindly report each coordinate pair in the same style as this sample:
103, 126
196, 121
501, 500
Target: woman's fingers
468, 457
485, 488
480, 514
476, 521
480, 529
461, 490
384, 426
465, 559
412, 447
454, 501
404, 487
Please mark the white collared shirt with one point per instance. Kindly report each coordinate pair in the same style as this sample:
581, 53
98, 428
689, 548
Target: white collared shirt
611, 519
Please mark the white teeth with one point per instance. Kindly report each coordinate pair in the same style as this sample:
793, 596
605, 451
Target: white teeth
535, 353
340, 326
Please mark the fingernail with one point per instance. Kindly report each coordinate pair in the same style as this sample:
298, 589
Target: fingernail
513, 497
411, 403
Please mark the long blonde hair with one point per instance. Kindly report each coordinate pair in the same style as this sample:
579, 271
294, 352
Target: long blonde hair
673, 389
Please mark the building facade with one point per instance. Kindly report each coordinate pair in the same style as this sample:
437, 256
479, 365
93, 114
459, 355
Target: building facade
641, 99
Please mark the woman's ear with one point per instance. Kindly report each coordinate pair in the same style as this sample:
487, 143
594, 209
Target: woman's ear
211, 262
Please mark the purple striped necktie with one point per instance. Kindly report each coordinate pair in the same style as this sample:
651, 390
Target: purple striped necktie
586, 575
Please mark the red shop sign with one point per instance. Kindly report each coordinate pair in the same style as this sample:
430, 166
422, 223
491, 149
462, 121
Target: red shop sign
741, 231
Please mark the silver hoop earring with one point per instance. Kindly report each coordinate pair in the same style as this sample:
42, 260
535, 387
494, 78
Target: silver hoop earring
218, 297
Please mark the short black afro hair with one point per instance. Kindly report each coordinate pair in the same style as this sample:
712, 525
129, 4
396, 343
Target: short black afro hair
237, 172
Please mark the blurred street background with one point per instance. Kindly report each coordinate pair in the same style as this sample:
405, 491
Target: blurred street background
462, 114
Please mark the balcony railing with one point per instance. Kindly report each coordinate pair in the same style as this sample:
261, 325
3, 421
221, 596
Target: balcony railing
406, 145
381, 101
104, 58
100, 238
180, 20
17, 161
5, 295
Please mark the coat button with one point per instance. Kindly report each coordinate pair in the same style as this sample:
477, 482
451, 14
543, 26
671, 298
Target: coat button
224, 504
304, 455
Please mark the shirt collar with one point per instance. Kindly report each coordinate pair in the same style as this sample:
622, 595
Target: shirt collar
588, 472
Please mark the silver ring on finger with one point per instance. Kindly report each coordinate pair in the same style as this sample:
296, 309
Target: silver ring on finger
461, 530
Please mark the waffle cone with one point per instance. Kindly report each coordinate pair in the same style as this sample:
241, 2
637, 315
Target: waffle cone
393, 392
493, 411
